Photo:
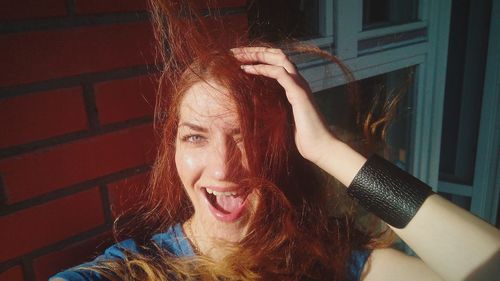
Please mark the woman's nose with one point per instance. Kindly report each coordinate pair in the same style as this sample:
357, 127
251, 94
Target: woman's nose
225, 161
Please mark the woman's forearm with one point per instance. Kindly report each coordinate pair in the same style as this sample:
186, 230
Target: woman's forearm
453, 242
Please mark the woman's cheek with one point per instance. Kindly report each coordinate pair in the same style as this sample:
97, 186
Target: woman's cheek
189, 166
190, 163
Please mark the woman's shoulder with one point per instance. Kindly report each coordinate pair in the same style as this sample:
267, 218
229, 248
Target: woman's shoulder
173, 241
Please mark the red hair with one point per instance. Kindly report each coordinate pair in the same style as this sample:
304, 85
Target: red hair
291, 235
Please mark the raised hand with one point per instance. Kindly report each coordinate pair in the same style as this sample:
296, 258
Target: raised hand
311, 133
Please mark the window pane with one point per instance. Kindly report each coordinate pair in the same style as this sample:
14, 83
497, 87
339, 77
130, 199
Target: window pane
467, 49
336, 105
281, 19
381, 13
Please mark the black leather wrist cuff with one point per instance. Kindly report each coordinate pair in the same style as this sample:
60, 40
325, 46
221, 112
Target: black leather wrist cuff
389, 192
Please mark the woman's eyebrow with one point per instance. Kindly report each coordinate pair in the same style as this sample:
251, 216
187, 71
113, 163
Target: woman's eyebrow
194, 127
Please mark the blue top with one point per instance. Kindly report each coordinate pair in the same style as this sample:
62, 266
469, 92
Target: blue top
175, 241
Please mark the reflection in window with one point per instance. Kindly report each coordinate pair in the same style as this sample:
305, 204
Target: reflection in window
381, 13
337, 106
283, 19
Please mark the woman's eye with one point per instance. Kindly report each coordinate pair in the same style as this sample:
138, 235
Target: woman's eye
193, 138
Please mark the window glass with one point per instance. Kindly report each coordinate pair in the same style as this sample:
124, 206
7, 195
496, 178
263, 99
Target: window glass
467, 53
283, 19
381, 13
339, 110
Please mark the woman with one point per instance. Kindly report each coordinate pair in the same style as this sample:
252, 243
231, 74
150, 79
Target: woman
235, 195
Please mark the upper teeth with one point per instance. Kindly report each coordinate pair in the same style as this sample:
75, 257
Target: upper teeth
224, 193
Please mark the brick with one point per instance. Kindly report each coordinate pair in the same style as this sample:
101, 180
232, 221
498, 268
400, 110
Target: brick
110, 6
75, 254
12, 274
125, 99
43, 55
42, 225
40, 115
123, 194
31, 9
33, 174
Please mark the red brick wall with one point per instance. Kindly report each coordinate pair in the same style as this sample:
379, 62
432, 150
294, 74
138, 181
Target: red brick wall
77, 86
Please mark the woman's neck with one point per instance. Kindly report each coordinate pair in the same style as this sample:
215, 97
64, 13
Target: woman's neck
213, 241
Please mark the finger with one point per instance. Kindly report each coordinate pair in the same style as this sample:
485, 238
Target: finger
255, 49
277, 59
281, 75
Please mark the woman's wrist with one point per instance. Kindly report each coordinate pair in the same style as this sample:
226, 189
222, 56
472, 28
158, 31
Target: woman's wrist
389, 192
380, 187
339, 160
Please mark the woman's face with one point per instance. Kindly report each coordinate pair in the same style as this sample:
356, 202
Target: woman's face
211, 162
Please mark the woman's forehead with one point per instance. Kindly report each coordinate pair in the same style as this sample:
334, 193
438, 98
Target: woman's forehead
208, 102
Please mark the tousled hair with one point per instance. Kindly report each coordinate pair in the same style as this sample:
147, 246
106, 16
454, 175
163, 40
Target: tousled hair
292, 235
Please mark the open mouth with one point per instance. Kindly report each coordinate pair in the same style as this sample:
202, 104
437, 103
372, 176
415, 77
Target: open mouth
226, 205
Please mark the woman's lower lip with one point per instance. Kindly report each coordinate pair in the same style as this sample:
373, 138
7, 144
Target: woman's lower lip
227, 217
